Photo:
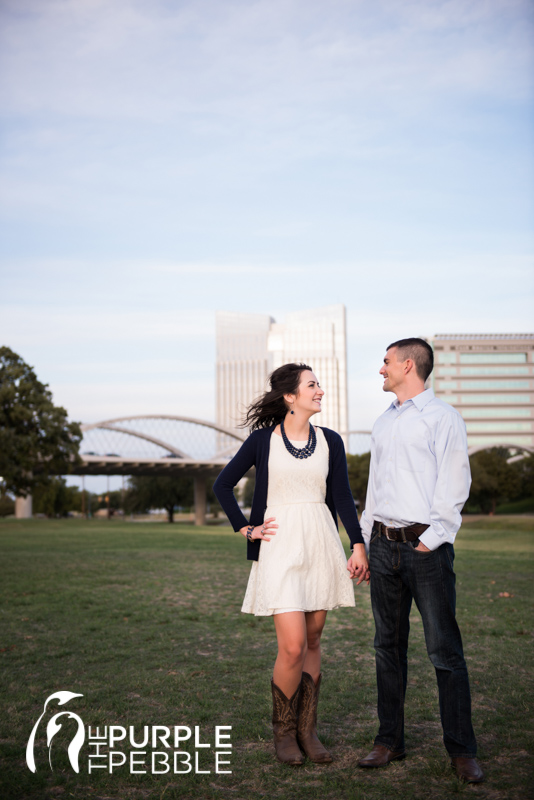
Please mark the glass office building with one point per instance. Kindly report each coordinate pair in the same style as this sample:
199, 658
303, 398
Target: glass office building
489, 378
250, 346
242, 366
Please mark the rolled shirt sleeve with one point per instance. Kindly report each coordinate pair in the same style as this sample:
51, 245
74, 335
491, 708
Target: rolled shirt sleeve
419, 469
453, 481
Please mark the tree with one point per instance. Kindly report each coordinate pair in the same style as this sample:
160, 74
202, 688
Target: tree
213, 503
146, 493
358, 468
56, 499
36, 439
248, 491
524, 468
494, 480
7, 505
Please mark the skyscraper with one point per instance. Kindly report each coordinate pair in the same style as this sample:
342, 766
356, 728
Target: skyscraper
250, 346
242, 365
489, 378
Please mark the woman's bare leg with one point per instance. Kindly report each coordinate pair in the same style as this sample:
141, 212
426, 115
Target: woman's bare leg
292, 646
315, 621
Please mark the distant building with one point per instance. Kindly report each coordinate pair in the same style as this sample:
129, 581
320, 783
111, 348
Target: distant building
242, 365
489, 378
251, 346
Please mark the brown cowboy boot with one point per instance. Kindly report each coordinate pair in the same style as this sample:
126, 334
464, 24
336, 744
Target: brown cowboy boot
307, 721
285, 726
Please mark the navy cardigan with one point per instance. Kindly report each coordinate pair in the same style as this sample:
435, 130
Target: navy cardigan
255, 453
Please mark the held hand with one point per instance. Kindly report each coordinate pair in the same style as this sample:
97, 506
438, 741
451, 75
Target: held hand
264, 531
357, 565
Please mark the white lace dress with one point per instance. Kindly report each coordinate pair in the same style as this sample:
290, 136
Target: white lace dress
303, 567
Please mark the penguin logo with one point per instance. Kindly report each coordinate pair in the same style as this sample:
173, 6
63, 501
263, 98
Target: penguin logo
53, 727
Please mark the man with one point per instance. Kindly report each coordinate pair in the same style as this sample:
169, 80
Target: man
419, 481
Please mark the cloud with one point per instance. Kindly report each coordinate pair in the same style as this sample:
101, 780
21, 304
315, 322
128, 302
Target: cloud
94, 401
206, 128
164, 160
93, 325
248, 61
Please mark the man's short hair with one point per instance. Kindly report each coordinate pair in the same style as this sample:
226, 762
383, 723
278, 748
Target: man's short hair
419, 351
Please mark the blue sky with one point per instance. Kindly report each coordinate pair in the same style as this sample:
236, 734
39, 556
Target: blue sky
161, 161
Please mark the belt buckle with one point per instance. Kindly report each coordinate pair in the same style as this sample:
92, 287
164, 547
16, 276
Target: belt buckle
388, 537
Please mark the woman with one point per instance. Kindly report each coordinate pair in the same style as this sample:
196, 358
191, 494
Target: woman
299, 571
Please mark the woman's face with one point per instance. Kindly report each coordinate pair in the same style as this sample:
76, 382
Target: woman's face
309, 396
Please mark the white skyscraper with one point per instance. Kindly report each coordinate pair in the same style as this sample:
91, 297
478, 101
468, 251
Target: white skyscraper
250, 346
242, 363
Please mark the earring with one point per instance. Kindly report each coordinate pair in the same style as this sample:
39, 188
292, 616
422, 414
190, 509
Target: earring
291, 412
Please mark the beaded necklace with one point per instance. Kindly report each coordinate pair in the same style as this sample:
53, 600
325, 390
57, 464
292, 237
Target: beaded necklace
300, 452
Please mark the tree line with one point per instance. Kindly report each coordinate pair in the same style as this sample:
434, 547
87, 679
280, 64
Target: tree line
37, 443
499, 482
141, 495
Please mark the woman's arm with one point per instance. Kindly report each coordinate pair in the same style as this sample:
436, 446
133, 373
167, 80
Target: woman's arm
342, 494
237, 468
358, 564
223, 487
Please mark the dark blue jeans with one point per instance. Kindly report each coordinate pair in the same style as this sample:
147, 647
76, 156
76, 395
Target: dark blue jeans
398, 574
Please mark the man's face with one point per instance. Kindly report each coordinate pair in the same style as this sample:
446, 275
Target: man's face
392, 371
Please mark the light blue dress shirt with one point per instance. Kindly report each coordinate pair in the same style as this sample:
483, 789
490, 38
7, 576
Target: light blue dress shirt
419, 469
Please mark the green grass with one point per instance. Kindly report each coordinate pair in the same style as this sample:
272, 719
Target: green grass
145, 622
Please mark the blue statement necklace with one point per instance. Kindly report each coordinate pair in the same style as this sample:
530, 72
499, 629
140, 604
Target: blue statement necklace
300, 452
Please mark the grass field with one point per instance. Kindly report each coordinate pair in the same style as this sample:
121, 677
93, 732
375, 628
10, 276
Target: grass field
144, 621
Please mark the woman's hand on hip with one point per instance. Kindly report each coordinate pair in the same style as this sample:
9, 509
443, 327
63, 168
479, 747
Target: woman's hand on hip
264, 531
358, 565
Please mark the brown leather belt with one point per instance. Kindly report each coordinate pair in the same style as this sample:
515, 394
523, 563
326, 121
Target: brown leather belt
408, 534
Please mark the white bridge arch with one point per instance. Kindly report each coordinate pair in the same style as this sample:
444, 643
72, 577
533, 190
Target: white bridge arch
132, 428
159, 444
357, 442
166, 444
517, 448
199, 447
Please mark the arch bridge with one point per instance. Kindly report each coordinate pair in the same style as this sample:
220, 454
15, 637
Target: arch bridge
164, 444
159, 444
517, 451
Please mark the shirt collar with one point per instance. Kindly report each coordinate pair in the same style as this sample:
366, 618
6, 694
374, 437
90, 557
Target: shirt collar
419, 401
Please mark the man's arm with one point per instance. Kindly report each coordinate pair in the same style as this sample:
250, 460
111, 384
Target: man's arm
452, 483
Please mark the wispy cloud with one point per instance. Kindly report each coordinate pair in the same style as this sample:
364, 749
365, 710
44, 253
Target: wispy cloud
94, 401
164, 160
230, 63
95, 325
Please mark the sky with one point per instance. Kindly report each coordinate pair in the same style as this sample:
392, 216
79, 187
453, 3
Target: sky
161, 161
